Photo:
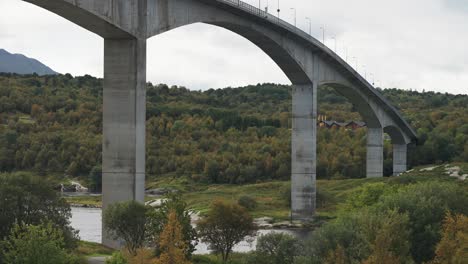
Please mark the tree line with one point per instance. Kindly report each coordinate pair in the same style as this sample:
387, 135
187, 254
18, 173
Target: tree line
53, 125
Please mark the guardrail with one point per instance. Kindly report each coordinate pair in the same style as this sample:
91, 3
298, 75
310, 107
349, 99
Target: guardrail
276, 20
262, 13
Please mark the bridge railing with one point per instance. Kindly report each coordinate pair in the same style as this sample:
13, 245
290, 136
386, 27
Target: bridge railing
261, 13
276, 20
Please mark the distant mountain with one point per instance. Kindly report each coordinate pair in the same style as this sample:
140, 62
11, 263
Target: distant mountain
18, 63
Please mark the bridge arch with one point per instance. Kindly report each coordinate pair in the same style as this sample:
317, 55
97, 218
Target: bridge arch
126, 25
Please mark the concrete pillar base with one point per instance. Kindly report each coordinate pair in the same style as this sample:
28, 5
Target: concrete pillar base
399, 158
374, 164
303, 152
124, 116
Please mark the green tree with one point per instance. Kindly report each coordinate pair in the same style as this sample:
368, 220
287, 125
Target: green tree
356, 236
426, 205
277, 248
127, 221
31, 201
95, 178
224, 226
41, 244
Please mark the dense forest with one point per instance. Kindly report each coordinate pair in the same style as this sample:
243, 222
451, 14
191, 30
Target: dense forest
53, 124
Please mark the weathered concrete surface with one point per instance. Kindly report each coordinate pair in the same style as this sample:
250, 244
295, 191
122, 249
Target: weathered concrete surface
399, 158
375, 158
125, 26
303, 151
123, 150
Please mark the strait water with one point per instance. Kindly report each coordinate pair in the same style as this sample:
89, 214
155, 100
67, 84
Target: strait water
88, 222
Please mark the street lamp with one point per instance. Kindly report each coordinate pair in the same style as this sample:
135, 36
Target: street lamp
323, 34
334, 38
279, 10
354, 58
295, 16
310, 25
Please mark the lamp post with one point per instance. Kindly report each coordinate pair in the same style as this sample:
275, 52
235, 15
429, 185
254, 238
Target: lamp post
323, 34
295, 16
279, 10
310, 25
334, 38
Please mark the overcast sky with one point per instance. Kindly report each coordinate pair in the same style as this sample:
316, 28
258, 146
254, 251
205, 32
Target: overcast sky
408, 44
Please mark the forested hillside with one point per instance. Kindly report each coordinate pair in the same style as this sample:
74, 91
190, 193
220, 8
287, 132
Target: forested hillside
53, 124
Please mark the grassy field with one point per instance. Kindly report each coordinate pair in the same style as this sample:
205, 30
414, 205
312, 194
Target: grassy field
272, 197
89, 249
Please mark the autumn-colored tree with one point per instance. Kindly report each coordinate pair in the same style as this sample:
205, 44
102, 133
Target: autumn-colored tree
453, 247
171, 243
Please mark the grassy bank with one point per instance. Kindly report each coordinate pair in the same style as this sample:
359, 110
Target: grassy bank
273, 197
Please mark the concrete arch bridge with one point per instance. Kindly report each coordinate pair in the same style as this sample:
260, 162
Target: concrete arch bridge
126, 25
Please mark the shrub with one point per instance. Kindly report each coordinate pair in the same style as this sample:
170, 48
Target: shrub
127, 221
117, 258
426, 205
41, 244
247, 202
355, 236
277, 248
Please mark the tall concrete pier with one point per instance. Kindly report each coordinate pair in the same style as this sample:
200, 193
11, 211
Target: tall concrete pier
304, 151
126, 25
124, 117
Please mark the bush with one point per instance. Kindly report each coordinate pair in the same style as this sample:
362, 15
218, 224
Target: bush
117, 258
277, 248
286, 194
426, 205
247, 202
368, 195
127, 221
358, 236
41, 244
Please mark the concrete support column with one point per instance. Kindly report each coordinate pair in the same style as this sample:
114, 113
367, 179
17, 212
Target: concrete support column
124, 116
399, 158
374, 152
303, 152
